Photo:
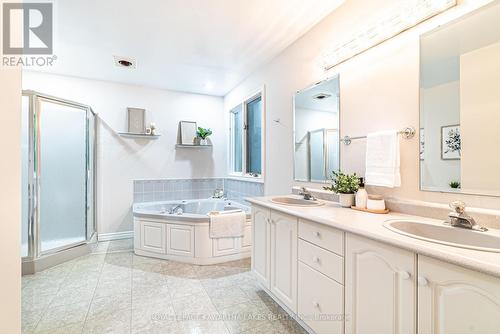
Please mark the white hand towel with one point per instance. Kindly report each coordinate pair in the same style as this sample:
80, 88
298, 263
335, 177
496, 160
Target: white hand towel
227, 224
383, 159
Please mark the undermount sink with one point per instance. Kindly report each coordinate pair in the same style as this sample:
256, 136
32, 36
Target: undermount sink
447, 235
295, 201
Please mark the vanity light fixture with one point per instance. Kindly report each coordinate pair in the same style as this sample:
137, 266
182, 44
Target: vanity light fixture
404, 16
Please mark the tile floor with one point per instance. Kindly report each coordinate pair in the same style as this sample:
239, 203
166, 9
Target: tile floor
115, 291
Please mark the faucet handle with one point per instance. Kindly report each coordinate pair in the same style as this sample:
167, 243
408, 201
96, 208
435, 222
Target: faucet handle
458, 206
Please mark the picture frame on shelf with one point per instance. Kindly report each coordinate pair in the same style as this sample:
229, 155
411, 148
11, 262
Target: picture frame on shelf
187, 132
136, 120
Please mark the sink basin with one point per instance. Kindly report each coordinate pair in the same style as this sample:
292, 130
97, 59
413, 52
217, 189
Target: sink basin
447, 235
295, 201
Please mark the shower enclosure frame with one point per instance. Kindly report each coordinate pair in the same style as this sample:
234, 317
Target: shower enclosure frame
34, 188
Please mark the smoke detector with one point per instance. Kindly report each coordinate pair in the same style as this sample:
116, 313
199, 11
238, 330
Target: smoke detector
125, 62
321, 96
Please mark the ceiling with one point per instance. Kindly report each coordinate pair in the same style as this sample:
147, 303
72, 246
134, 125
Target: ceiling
305, 98
200, 46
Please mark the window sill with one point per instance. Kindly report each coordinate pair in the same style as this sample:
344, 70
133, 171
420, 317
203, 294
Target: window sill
259, 179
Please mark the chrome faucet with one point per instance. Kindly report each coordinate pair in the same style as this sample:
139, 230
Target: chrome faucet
458, 218
307, 194
176, 209
218, 193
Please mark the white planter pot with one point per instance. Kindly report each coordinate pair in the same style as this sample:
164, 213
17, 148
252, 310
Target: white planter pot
346, 200
203, 142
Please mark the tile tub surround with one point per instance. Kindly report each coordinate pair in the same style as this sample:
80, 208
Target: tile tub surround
371, 226
115, 291
174, 189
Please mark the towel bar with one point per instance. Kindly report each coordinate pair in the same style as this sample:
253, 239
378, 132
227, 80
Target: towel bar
406, 133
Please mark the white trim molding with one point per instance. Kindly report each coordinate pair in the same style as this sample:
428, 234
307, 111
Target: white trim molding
115, 236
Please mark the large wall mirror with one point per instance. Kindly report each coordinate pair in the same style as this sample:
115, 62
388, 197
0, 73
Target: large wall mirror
316, 131
460, 105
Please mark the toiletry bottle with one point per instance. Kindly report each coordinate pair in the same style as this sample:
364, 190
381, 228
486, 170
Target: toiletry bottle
361, 195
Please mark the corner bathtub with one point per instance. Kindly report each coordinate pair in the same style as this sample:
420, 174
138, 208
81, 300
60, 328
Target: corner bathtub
184, 236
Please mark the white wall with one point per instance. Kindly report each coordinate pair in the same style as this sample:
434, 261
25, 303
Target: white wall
10, 199
379, 90
479, 101
121, 160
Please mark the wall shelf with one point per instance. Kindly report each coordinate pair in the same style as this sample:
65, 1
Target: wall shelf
138, 135
192, 146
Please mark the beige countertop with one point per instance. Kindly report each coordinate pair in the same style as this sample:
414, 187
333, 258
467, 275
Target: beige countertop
371, 226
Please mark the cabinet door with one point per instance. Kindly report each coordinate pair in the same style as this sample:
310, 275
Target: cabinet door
225, 246
284, 259
152, 237
246, 240
261, 256
380, 288
456, 300
180, 240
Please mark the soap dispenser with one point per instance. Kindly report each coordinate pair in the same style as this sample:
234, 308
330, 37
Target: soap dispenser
361, 195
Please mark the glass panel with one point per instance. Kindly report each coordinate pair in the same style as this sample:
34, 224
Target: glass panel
25, 175
317, 156
90, 180
63, 174
332, 142
237, 145
254, 136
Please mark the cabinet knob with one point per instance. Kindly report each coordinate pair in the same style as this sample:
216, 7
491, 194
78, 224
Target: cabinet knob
404, 275
315, 304
316, 259
317, 234
422, 281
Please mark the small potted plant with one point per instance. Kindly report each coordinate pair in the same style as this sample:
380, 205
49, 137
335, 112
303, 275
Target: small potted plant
203, 134
455, 185
345, 186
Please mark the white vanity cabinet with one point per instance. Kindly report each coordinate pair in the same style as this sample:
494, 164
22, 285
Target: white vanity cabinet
380, 288
274, 254
261, 241
284, 259
456, 300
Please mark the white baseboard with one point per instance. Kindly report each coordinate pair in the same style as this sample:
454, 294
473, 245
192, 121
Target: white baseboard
115, 236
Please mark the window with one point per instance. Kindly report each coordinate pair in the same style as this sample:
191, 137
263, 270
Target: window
246, 137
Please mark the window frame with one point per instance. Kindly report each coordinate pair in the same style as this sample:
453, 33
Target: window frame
244, 133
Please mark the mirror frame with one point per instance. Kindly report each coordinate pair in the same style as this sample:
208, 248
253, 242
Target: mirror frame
335, 76
420, 111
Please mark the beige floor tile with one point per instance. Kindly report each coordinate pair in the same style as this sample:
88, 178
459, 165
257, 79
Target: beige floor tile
154, 317
243, 317
71, 329
204, 327
117, 322
71, 295
36, 301
225, 297
106, 305
150, 293
184, 287
61, 316
195, 306
110, 288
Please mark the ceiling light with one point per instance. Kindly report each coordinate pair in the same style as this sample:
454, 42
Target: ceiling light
321, 96
125, 62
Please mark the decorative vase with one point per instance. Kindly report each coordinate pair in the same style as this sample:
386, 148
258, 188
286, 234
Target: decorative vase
203, 142
346, 200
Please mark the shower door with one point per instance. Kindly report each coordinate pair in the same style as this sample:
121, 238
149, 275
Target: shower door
61, 174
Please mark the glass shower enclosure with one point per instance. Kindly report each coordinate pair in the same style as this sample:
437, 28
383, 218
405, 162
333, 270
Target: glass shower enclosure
58, 152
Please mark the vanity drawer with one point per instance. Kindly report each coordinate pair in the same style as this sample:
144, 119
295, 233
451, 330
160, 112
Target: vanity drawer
323, 236
320, 301
326, 262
